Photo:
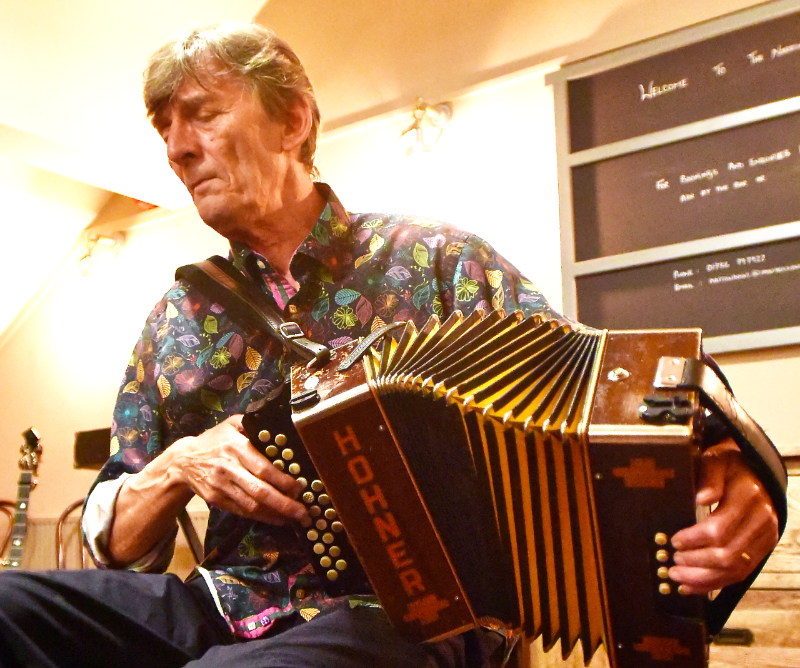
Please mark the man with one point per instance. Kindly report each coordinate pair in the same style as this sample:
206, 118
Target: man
239, 120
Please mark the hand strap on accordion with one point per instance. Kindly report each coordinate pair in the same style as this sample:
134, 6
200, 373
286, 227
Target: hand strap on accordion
757, 450
219, 280
364, 345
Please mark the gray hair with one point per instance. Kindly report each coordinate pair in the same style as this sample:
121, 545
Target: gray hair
257, 56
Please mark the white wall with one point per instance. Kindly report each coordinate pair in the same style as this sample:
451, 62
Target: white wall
61, 369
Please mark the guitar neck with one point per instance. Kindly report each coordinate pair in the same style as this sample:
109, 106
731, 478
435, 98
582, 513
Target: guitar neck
20, 528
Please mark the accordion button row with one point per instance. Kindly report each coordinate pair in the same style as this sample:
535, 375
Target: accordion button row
663, 556
324, 522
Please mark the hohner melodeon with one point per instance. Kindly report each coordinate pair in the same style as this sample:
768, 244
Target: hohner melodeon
501, 470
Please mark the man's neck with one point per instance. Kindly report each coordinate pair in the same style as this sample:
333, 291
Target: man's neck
279, 236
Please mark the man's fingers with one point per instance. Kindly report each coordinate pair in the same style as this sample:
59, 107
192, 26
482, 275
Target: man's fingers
726, 546
264, 470
266, 495
702, 571
225, 469
242, 493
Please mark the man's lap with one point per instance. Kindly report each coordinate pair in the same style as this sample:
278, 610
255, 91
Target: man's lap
100, 618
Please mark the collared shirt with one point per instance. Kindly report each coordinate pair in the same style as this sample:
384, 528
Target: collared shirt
194, 366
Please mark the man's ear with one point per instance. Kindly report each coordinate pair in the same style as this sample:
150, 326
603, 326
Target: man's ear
297, 126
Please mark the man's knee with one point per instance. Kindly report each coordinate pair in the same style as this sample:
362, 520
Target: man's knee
16, 589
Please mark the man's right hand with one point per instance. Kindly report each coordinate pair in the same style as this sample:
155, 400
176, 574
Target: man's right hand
222, 467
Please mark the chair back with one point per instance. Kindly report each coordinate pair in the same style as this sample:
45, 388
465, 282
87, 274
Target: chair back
63, 537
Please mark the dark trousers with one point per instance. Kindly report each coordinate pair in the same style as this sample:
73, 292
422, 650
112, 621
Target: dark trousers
95, 618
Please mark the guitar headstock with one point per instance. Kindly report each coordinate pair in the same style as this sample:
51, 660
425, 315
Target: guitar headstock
31, 451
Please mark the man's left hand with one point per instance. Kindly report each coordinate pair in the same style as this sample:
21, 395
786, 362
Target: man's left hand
743, 528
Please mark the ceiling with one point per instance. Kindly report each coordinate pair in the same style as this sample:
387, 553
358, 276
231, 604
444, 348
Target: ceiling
73, 130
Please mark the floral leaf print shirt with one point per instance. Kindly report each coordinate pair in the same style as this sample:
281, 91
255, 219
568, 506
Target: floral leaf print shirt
194, 366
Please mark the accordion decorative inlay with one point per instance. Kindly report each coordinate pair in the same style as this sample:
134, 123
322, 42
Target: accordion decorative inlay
506, 471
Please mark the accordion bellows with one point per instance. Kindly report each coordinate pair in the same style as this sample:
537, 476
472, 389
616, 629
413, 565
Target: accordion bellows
497, 470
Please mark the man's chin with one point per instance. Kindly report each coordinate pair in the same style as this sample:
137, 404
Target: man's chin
214, 213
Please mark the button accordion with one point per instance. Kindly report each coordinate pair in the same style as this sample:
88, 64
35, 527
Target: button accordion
508, 472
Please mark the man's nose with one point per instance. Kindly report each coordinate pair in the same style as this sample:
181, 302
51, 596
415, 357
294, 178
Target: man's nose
181, 142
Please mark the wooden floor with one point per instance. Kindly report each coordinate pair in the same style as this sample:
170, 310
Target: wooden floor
774, 619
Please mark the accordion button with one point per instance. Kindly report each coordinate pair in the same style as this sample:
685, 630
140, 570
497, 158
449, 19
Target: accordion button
303, 482
271, 451
315, 511
325, 562
264, 436
341, 565
312, 534
308, 497
287, 453
319, 548
322, 525
330, 513
327, 538
294, 468
281, 440
661, 538
663, 572
324, 499
278, 464
332, 575
317, 486
664, 588
662, 556
337, 526
335, 551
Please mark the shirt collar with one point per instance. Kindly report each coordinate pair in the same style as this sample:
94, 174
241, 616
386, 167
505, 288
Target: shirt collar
328, 245
330, 242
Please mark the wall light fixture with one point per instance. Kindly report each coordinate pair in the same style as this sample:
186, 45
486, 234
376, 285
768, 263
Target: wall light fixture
427, 127
101, 252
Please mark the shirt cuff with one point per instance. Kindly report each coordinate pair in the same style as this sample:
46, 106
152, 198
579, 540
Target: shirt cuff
98, 516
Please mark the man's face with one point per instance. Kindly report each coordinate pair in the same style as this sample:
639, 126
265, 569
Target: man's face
227, 151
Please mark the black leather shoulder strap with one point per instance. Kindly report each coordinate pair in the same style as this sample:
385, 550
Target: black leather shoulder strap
219, 280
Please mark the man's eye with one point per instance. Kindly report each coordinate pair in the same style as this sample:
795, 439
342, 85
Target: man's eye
207, 115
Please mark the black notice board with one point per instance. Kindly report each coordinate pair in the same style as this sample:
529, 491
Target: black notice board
721, 174
738, 179
747, 290
738, 70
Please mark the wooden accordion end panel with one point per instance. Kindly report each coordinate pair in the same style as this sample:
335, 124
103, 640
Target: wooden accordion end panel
504, 471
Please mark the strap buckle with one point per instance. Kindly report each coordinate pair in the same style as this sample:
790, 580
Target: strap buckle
290, 330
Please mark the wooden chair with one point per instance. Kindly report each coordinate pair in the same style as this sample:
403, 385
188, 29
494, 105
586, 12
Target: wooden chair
62, 540
7, 509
